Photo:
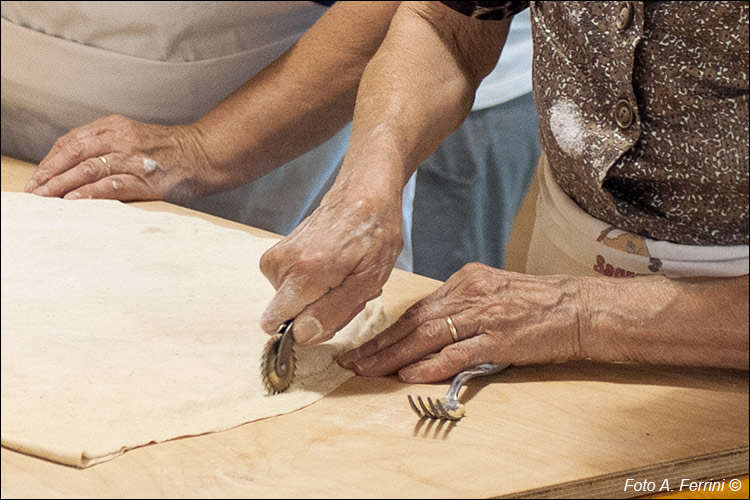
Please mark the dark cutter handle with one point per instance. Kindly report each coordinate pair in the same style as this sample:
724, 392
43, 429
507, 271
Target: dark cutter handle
284, 351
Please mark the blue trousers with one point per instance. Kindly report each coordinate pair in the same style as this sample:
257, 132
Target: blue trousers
469, 191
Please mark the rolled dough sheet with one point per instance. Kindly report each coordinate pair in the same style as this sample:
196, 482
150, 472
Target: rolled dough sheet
122, 327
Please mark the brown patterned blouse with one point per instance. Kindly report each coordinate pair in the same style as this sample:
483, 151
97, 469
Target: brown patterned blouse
643, 111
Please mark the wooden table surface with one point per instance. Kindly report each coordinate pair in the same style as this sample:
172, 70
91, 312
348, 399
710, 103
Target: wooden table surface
575, 430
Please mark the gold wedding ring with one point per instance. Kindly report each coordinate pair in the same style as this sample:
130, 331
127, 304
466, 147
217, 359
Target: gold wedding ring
454, 333
106, 164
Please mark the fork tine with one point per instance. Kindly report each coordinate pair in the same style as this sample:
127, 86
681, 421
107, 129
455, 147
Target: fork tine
440, 410
446, 414
414, 406
449, 407
426, 410
436, 413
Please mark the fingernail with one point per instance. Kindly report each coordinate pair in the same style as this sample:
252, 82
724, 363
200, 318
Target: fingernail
73, 196
347, 359
42, 191
365, 365
308, 330
30, 186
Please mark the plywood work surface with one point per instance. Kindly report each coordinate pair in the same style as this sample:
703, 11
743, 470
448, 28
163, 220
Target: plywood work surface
576, 430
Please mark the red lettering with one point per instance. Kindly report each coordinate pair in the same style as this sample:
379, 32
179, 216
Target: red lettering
599, 267
602, 267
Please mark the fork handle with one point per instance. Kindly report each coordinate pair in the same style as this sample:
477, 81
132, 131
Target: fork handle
468, 374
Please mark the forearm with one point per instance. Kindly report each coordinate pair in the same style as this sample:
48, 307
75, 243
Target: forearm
416, 90
664, 321
297, 102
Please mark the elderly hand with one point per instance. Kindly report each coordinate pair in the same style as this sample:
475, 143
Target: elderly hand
499, 317
332, 263
119, 158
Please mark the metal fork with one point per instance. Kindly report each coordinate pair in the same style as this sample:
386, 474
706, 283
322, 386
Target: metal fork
449, 407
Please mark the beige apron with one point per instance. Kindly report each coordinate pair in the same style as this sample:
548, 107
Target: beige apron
567, 240
65, 64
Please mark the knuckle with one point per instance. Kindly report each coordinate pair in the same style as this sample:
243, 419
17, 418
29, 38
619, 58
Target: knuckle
127, 129
462, 354
305, 265
88, 170
432, 331
472, 268
122, 131
269, 262
467, 286
70, 145
476, 288
115, 121
314, 275
473, 279
116, 118
41, 175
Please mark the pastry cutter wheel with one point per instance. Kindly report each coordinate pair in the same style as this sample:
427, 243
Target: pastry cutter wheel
277, 365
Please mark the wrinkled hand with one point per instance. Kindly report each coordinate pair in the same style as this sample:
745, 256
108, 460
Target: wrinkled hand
143, 162
500, 317
332, 264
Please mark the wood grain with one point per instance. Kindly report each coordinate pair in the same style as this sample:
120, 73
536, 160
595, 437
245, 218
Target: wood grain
578, 429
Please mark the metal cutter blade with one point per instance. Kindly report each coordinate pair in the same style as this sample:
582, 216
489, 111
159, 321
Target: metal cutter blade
277, 365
